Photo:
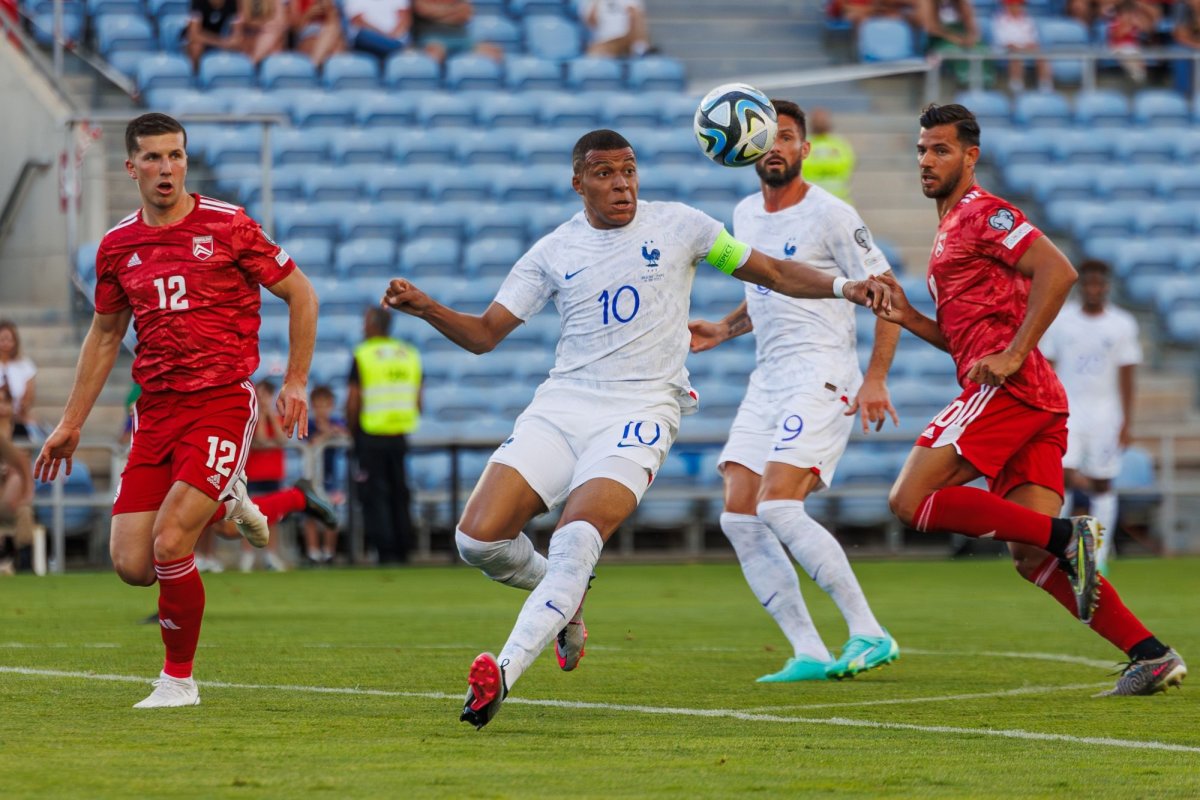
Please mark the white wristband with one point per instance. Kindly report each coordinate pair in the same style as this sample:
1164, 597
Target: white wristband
839, 283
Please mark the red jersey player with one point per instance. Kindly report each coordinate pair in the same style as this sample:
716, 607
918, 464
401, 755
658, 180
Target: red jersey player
998, 283
186, 269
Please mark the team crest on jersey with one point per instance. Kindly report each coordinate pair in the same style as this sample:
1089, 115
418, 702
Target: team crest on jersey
202, 247
862, 238
651, 256
940, 246
789, 249
1002, 220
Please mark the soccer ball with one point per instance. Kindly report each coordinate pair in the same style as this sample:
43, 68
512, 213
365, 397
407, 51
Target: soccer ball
735, 125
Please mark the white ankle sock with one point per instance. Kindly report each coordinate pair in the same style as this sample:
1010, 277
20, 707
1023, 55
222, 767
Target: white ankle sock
511, 561
815, 549
772, 578
574, 551
1104, 509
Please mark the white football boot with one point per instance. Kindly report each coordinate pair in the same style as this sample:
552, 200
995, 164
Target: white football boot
171, 693
251, 523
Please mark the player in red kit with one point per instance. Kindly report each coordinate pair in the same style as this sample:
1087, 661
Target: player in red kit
186, 269
997, 283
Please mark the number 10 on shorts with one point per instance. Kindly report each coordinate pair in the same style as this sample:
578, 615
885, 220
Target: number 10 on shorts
220, 453
637, 433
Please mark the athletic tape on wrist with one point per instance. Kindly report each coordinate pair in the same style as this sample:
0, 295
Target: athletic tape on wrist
839, 286
727, 253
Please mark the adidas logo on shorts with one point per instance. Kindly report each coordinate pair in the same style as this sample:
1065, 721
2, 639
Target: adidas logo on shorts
215, 480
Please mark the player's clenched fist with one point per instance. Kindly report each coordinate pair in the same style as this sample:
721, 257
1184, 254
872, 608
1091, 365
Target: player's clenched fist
403, 296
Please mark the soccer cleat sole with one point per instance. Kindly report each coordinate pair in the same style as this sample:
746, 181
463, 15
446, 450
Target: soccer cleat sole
485, 691
560, 644
1084, 579
851, 670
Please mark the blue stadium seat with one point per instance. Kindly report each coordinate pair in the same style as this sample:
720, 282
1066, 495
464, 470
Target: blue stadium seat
522, 8
1126, 184
320, 110
545, 218
1088, 220
234, 145
678, 110
495, 29
1183, 326
1145, 147
163, 71
298, 219
170, 31
42, 25
547, 146
1103, 108
102, 8
443, 220
76, 484
1042, 109
885, 40
655, 73
463, 184
470, 71
1161, 108
499, 219
552, 37
664, 181
632, 110
432, 254
358, 257
287, 71
1018, 147
672, 148
990, 108
1165, 219
493, 255
532, 183
382, 111
394, 183
445, 111
85, 261
323, 182
1093, 146
589, 73
350, 71
162, 8
504, 110
414, 146
411, 70
225, 69
561, 110
485, 146
314, 255
254, 101
1186, 142
292, 146
1175, 184
525, 73
372, 219
1063, 183
1064, 34
123, 32
360, 146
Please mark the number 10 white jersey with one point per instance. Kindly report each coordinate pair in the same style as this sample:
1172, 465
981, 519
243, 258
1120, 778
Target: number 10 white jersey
623, 293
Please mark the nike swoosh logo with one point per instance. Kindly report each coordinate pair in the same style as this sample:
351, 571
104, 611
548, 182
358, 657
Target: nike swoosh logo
550, 605
569, 275
769, 599
778, 448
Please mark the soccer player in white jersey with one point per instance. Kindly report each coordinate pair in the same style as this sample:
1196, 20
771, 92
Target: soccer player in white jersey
791, 429
1095, 350
620, 273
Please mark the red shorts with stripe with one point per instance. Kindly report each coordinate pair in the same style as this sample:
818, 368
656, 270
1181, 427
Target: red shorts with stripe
1010, 442
201, 438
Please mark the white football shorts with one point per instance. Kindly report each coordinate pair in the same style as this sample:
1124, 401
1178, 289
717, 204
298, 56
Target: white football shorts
573, 430
1094, 447
805, 427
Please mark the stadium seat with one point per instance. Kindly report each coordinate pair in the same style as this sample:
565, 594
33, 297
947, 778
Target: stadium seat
395, 183
170, 31
1102, 108
533, 183
1016, 148
1161, 108
463, 184
561, 110
678, 110
445, 111
42, 25
320, 110
382, 111
493, 255
1088, 220
547, 146
292, 146
254, 101
225, 69
313, 255
123, 32
522, 8
1145, 147
443, 220
358, 257
1062, 183
162, 8
504, 110
672, 148
432, 254
102, 8
163, 71
485, 146
625, 111
1178, 184
360, 146
471, 71
1165, 219
240, 144
655, 73
552, 37
287, 71
990, 108
298, 219
499, 219
494, 29
1095, 146
78, 483
350, 71
372, 218
413, 146
323, 182
1042, 109
1060, 33
1183, 327
545, 218
526, 73
885, 40
589, 73
411, 70
1126, 184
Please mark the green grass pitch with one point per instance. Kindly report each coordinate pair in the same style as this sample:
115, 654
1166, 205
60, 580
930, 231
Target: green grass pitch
377, 661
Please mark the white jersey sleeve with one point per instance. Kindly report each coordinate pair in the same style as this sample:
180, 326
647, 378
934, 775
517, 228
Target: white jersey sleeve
1129, 350
851, 245
527, 288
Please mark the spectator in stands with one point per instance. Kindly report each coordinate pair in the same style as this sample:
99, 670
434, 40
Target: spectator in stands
382, 408
320, 540
1129, 25
1095, 349
16, 489
830, 161
316, 29
951, 29
18, 373
1186, 33
618, 27
440, 28
856, 11
262, 27
212, 27
1014, 32
379, 28
266, 469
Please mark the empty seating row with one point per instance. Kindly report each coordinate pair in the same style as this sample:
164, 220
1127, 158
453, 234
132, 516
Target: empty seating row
1094, 109
1119, 182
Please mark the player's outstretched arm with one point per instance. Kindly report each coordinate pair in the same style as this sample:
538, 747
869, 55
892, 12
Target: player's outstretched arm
1053, 276
903, 314
796, 279
292, 402
96, 359
476, 333
707, 335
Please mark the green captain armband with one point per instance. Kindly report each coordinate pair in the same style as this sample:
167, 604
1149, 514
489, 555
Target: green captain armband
727, 253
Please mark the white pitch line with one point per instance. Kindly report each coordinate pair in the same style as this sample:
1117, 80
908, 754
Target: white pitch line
1066, 659
937, 698
723, 713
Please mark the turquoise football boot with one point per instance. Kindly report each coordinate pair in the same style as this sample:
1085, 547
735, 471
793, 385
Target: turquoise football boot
862, 653
800, 668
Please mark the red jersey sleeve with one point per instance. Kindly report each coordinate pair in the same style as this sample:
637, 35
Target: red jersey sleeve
1002, 232
256, 254
110, 295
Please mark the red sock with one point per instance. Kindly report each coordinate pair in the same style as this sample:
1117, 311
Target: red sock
277, 505
180, 610
1112, 619
974, 512
217, 516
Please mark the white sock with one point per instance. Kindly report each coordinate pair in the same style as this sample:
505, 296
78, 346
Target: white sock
512, 561
1104, 509
772, 578
815, 549
574, 551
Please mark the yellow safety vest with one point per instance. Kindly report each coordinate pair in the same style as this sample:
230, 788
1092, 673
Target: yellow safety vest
389, 374
830, 164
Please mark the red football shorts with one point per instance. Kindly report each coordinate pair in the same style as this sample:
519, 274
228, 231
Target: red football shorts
201, 438
1010, 442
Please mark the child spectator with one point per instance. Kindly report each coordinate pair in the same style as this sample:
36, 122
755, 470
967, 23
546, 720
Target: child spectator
320, 540
266, 468
618, 27
379, 28
1015, 32
316, 27
16, 490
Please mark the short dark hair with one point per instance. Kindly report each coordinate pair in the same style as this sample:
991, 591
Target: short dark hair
322, 391
786, 108
964, 122
602, 139
377, 319
152, 124
1096, 266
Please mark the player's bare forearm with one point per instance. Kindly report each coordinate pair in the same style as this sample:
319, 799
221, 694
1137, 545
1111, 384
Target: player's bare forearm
790, 278
96, 358
1127, 385
471, 332
902, 313
303, 305
738, 322
1053, 276
887, 336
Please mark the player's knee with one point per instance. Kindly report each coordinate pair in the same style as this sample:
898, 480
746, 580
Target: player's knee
1029, 564
172, 543
134, 571
494, 559
903, 504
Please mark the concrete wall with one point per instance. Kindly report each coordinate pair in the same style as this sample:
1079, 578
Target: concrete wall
34, 262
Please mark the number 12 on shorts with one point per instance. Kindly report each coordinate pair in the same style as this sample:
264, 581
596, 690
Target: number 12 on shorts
220, 453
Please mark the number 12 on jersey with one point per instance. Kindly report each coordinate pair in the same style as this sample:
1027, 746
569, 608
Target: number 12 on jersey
177, 300
621, 305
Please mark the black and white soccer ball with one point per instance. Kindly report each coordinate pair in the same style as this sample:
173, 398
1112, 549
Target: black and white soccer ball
735, 125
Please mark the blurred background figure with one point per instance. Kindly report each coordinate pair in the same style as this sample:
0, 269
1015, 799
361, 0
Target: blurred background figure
379, 28
16, 490
1015, 32
211, 27
320, 540
266, 469
262, 27
830, 162
1095, 350
440, 28
1185, 32
18, 373
617, 28
1128, 28
316, 29
383, 406
951, 29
